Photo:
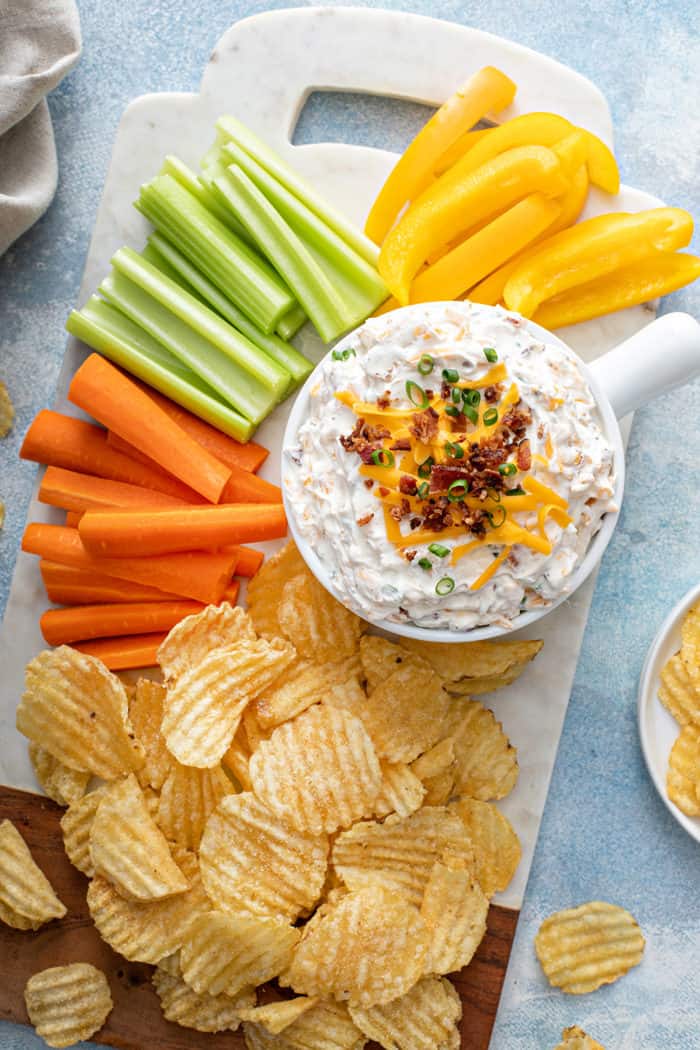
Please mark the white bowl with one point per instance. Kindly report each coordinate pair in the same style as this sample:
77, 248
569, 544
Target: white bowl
658, 728
595, 551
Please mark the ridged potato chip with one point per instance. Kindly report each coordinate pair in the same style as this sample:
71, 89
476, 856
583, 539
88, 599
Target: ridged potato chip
254, 732
405, 714
690, 642
327, 1025
320, 771
304, 683
76, 823
204, 1013
401, 791
215, 627
265, 589
425, 1018
368, 948
252, 859
454, 911
275, 1017
187, 799
150, 931
575, 1038
61, 783
78, 710
399, 853
224, 953
67, 1004
350, 696
236, 760
497, 850
462, 662
27, 899
204, 707
487, 763
7, 411
439, 789
438, 759
128, 848
678, 692
582, 948
319, 627
683, 776
146, 715
380, 658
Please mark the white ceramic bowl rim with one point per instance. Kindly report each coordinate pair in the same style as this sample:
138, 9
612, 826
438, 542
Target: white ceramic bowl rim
593, 555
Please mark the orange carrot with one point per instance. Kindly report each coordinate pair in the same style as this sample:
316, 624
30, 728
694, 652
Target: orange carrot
63, 441
66, 585
121, 654
118, 533
249, 560
125, 447
231, 592
73, 518
82, 622
243, 487
115, 401
195, 574
81, 492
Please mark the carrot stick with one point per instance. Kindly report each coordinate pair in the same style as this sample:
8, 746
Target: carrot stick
231, 592
118, 533
125, 447
62, 441
121, 654
63, 626
81, 492
110, 396
249, 561
66, 585
73, 518
195, 574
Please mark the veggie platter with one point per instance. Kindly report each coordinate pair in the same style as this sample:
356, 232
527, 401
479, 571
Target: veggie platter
203, 309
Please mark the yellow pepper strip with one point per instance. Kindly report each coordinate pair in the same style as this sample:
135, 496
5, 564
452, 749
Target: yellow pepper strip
572, 151
457, 150
592, 249
602, 166
474, 258
543, 492
556, 513
658, 274
490, 571
465, 548
446, 210
488, 91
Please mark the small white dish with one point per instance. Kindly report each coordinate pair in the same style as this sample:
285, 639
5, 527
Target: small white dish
658, 729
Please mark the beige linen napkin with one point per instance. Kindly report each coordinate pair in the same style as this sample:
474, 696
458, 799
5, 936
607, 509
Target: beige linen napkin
39, 44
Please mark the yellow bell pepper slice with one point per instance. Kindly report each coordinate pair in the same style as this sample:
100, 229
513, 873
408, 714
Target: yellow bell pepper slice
602, 166
474, 258
488, 91
572, 151
592, 249
658, 274
468, 140
446, 210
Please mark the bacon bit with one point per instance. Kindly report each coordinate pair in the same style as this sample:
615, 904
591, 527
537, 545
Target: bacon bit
395, 513
401, 445
540, 432
445, 390
383, 492
384, 400
408, 485
366, 519
442, 476
425, 425
492, 393
590, 501
409, 555
513, 559
438, 515
369, 483
523, 457
415, 522
429, 395
517, 420
364, 437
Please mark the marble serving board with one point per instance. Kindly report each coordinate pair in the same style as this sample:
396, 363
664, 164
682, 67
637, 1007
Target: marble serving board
263, 70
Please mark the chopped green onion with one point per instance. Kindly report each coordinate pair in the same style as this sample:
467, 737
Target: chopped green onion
458, 490
423, 490
453, 411
471, 397
343, 355
416, 394
494, 494
425, 563
424, 468
514, 492
490, 417
445, 585
450, 375
456, 395
490, 354
439, 550
454, 450
379, 460
496, 517
425, 366
471, 414
507, 469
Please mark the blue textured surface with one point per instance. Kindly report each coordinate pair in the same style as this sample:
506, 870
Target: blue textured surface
605, 833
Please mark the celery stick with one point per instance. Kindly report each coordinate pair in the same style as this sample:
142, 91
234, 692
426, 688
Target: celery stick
237, 132
182, 269
225, 259
288, 253
197, 316
290, 324
106, 330
151, 254
189, 181
236, 385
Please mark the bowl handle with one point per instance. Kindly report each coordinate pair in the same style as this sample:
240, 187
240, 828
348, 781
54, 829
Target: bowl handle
664, 355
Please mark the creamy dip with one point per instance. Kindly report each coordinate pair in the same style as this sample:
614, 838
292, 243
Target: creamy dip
340, 499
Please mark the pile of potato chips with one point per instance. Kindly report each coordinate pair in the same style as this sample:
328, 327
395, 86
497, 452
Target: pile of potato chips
679, 692
298, 802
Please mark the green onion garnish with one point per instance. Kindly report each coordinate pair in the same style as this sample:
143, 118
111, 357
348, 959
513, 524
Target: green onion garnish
496, 517
424, 468
450, 375
439, 550
471, 414
383, 457
514, 492
457, 490
416, 394
343, 355
490, 354
425, 366
456, 395
423, 490
453, 411
453, 450
507, 469
471, 397
490, 417
445, 585
425, 563
495, 495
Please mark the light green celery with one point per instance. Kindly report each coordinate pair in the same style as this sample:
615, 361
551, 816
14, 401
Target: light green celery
287, 252
180, 268
151, 254
231, 129
189, 181
290, 324
200, 318
234, 384
108, 331
226, 260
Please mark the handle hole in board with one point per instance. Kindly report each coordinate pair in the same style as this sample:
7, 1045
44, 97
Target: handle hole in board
360, 119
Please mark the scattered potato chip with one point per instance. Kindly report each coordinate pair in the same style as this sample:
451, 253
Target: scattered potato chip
128, 848
683, 776
350, 696
171, 964
425, 1018
368, 948
275, 1017
148, 931
497, 849
67, 1004
582, 948
265, 589
678, 692
318, 626
487, 763
61, 783
224, 953
7, 411
690, 642
454, 910
252, 859
205, 1013
439, 789
326, 1025
380, 658
575, 1038
438, 759
401, 791
27, 899
254, 733
304, 683
76, 823
399, 853
202, 710
462, 661
146, 715
215, 627
320, 771
78, 710
188, 797
236, 760
405, 714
